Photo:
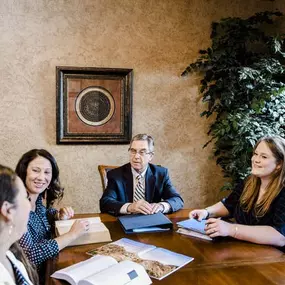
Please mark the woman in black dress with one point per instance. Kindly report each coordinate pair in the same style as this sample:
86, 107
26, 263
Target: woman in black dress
256, 204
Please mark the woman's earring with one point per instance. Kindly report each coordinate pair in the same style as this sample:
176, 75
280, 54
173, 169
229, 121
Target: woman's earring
10, 230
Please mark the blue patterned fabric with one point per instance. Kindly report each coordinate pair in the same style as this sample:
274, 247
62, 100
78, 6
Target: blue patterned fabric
37, 242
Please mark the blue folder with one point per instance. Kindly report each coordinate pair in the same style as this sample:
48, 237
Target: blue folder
140, 223
194, 225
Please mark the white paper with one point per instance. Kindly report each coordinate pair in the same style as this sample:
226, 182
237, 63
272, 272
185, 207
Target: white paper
119, 274
134, 246
166, 257
97, 232
84, 269
151, 252
63, 226
193, 234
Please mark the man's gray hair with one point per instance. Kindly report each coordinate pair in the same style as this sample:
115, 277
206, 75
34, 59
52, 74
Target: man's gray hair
144, 137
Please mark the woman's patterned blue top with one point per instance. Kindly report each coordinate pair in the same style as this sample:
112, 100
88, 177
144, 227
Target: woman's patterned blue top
37, 242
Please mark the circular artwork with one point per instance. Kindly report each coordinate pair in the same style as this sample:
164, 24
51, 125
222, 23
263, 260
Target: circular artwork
94, 106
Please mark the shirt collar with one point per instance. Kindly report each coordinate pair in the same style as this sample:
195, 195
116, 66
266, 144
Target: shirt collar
135, 173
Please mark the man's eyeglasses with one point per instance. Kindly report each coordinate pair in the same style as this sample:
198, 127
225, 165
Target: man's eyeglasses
141, 152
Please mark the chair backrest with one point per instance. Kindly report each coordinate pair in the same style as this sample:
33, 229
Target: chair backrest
103, 169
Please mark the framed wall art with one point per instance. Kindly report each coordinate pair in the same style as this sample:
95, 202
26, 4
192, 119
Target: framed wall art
94, 105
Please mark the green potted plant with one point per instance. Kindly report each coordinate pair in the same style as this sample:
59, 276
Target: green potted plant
243, 85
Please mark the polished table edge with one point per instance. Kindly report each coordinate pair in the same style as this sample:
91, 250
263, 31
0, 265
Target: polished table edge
181, 214
244, 262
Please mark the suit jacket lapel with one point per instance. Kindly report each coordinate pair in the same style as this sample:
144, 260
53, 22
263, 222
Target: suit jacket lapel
149, 185
128, 180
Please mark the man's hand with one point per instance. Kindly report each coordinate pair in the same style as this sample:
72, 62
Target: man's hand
156, 207
140, 206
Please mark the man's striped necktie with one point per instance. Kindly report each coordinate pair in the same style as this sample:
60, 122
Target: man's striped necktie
139, 191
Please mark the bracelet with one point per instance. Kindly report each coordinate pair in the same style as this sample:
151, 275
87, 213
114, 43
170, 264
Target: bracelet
236, 230
208, 214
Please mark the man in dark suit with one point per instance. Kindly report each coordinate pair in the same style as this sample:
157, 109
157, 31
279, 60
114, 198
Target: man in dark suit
140, 187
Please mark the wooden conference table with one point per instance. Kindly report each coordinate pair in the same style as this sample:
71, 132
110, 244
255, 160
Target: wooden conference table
225, 261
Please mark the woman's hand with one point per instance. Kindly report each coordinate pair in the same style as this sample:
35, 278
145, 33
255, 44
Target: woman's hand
79, 227
199, 214
217, 227
65, 213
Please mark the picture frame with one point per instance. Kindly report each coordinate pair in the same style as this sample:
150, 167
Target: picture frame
94, 105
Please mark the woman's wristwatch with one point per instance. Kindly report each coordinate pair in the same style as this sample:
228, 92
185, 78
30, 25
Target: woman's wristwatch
208, 214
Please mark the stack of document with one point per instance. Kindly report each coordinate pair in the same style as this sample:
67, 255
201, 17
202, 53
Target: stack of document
193, 227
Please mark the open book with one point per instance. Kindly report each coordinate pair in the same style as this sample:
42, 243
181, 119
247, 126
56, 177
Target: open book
158, 262
193, 227
104, 270
97, 231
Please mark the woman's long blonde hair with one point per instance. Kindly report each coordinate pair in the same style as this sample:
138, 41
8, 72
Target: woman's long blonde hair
248, 199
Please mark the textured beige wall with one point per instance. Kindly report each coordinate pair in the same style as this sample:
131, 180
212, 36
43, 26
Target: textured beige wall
156, 38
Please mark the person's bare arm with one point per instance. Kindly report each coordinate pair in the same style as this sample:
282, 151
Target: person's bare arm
256, 234
216, 210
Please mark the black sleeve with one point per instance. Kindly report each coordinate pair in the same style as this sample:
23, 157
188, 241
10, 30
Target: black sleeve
232, 200
278, 208
170, 195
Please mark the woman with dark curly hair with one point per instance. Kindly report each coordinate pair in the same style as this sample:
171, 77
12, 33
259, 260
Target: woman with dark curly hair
39, 171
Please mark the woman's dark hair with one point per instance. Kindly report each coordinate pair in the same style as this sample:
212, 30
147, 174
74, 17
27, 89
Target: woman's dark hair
54, 190
8, 192
8, 187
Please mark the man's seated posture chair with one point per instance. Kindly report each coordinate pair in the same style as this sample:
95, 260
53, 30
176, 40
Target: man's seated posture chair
103, 169
140, 186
